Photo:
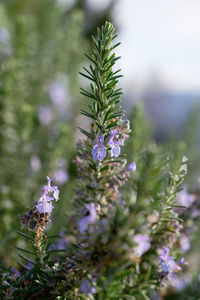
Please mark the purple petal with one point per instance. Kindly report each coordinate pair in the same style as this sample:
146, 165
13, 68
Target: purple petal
115, 151
101, 154
132, 166
95, 153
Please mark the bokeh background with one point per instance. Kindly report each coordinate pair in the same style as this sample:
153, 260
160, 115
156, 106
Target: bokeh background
42, 45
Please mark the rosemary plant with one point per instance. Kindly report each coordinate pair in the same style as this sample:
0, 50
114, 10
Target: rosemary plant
119, 243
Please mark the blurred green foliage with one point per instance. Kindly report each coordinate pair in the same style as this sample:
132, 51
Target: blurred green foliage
43, 44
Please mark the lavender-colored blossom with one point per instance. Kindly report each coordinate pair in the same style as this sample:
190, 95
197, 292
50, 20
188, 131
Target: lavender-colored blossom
52, 247
58, 94
29, 266
115, 145
61, 176
132, 166
143, 244
184, 243
195, 212
5, 45
44, 204
16, 272
35, 163
186, 199
52, 189
61, 244
84, 222
45, 115
99, 150
87, 288
4, 35
39, 216
167, 262
180, 283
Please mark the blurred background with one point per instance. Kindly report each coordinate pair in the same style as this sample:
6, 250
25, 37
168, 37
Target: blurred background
42, 46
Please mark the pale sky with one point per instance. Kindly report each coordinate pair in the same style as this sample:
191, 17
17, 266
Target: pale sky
162, 37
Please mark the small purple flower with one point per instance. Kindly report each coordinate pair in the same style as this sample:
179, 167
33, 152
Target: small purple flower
179, 283
16, 272
4, 35
99, 150
184, 243
58, 94
143, 244
84, 222
35, 163
167, 262
132, 166
61, 176
61, 244
44, 204
45, 115
5, 45
87, 288
52, 189
186, 199
115, 145
52, 247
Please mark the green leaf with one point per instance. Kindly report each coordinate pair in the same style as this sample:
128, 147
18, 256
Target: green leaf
143, 294
85, 113
27, 259
22, 265
90, 58
25, 250
25, 235
86, 76
86, 133
55, 251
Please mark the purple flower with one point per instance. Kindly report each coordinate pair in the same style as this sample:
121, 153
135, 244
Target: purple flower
52, 189
184, 243
179, 283
49, 193
52, 247
87, 288
4, 35
84, 222
185, 199
167, 262
35, 163
16, 272
143, 244
61, 176
58, 94
99, 150
45, 115
61, 244
5, 45
44, 206
115, 145
132, 166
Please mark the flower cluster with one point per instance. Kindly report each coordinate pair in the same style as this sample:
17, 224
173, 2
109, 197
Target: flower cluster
143, 244
91, 218
39, 215
115, 140
168, 264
